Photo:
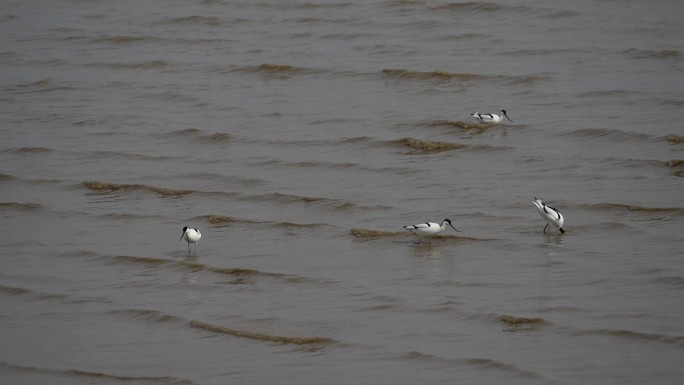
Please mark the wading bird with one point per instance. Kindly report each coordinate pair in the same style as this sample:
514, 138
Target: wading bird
490, 118
428, 229
191, 236
550, 214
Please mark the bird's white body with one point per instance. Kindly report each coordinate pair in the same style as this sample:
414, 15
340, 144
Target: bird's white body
490, 118
191, 236
428, 229
550, 214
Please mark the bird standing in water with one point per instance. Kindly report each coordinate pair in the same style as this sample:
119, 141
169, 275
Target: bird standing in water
490, 118
428, 229
191, 236
552, 216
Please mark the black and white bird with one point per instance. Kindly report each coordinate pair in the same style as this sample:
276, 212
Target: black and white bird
428, 229
191, 236
550, 214
490, 118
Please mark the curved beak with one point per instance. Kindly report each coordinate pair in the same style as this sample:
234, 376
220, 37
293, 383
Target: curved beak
182, 235
509, 119
452, 226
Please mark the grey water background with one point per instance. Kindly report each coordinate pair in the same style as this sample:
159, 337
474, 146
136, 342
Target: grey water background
299, 137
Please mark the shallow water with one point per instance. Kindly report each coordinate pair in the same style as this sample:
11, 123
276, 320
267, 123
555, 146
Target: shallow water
300, 137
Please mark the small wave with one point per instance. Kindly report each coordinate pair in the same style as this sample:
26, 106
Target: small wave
260, 336
601, 94
676, 282
30, 150
220, 137
145, 65
439, 75
20, 206
675, 138
4, 177
20, 291
629, 334
613, 135
197, 266
675, 163
107, 188
514, 320
673, 102
275, 70
637, 208
147, 315
123, 155
10, 290
42, 86
366, 233
449, 76
124, 39
461, 124
215, 138
430, 146
483, 7
337, 204
498, 365
485, 363
299, 225
653, 54
220, 219
94, 376
212, 21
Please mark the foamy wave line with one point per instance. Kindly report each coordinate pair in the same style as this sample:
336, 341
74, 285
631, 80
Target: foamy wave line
145, 65
461, 124
128, 156
105, 188
124, 39
281, 70
653, 54
339, 166
211, 21
215, 138
20, 206
94, 376
20, 291
367, 233
515, 320
30, 150
614, 135
438, 146
484, 363
148, 315
629, 334
224, 220
636, 208
260, 336
161, 317
337, 204
449, 76
196, 266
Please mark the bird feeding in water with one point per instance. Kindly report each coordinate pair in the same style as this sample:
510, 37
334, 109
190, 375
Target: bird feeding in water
191, 236
550, 214
490, 118
428, 229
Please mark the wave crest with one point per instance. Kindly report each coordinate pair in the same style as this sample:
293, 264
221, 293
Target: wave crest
107, 188
260, 336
